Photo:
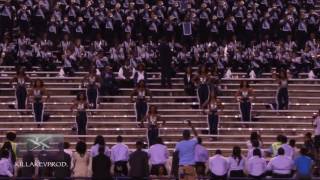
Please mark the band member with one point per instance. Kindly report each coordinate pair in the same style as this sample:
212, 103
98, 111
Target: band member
37, 92
189, 88
141, 106
21, 88
203, 90
153, 119
282, 96
244, 96
80, 106
92, 88
212, 106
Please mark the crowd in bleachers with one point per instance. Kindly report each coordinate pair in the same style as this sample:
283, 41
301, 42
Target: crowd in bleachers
191, 159
243, 35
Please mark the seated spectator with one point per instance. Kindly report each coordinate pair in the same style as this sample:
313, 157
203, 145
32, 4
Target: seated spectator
236, 163
6, 168
218, 166
138, 161
256, 165
126, 74
281, 165
158, 154
303, 164
62, 172
101, 165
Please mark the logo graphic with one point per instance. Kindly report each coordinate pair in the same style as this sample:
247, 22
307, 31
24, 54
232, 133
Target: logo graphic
39, 142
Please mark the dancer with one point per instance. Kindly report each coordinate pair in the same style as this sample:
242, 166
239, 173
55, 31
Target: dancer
80, 106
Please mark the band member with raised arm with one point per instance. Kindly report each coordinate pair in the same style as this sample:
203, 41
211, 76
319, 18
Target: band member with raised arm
153, 120
92, 83
36, 97
211, 108
141, 105
244, 97
203, 88
20, 88
80, 106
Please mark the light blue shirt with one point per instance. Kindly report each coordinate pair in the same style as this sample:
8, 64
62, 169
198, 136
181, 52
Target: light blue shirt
186, 150
94, 151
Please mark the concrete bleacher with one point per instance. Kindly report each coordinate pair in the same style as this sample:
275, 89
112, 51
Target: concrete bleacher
118, 117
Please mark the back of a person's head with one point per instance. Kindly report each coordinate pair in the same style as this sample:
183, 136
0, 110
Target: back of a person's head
257, 152
101, 149
292, 142
218, 151
186, 134
139, 145
119, 139
254, 136
159, 140
11, 136
199, 140
236, 152
7, 145
279, 138
303, 151
81, 147
284, 139
255, 143
99, 140
281, 151
66, 145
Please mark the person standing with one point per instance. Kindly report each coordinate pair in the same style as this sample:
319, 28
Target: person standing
62, 172
236, 163
92, 88
186, 153
120, 157
21, 88
101, 165
213, 105
218, 166
189, 87
201, 158
81, 106
282, 97
165, 57
138, 161
203, 88
141, 106
159, 156
5, 164
316, 123
37, 92
303, 165
99, 141
245, 96
281, 165
153, 119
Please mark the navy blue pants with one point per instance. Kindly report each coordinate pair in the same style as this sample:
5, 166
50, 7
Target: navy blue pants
21, 95
141, 110
81, 120
245, 109
282, 99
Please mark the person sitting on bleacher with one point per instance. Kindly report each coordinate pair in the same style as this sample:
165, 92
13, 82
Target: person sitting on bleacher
126, 74
281, 165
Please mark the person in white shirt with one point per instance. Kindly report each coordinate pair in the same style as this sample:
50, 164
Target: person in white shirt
218, 166
119, 157
236, 163
201, 157
316, 124
126, 74
158, 155
256, 165
288, 150
281, 165
5, 164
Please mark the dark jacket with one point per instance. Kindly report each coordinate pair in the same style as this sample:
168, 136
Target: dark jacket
62, 171
101, 165
139, 166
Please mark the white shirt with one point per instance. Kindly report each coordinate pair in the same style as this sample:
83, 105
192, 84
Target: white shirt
158, 154
119, 152
140, 76
288, 150
218, 165
94, 151
5, 167
280, 164
201, 154
256, 166
235, 165
317, 124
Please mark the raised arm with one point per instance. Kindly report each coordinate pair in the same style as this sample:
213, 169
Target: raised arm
194, 131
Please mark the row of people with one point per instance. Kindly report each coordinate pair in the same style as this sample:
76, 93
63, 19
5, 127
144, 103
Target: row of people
189, 160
